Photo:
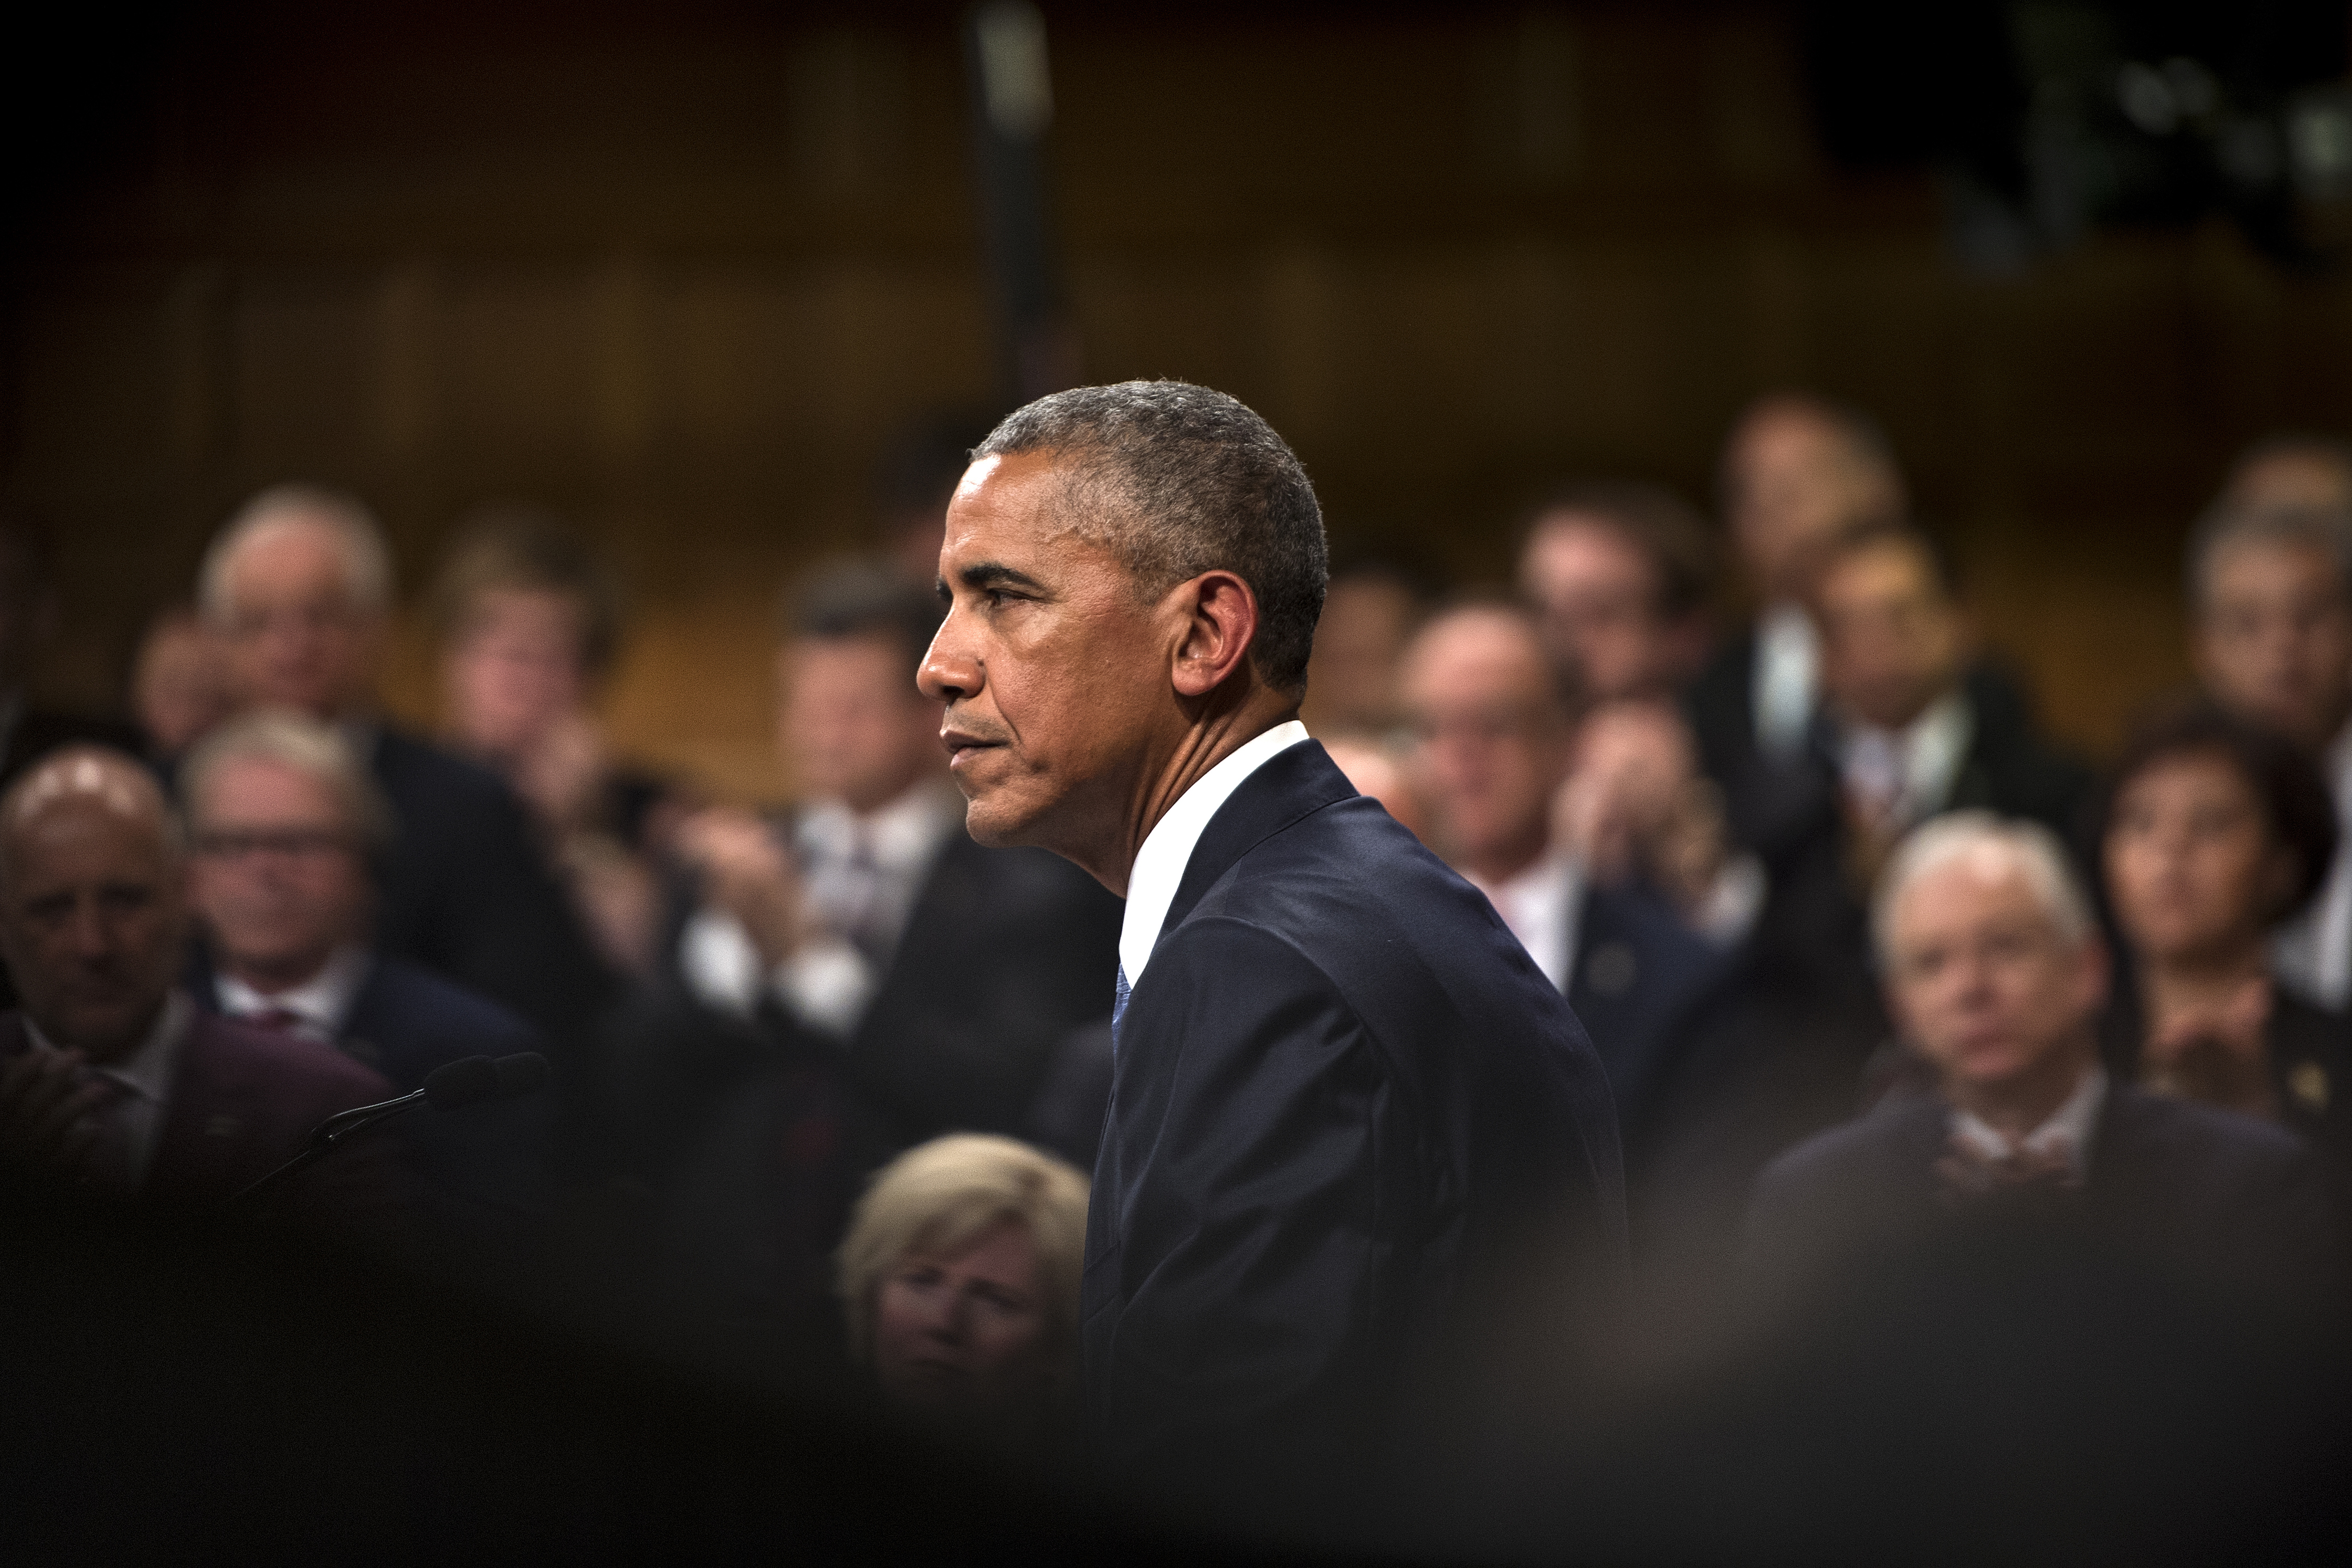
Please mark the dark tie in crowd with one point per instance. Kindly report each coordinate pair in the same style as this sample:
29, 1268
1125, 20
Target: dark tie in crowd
1285, 1034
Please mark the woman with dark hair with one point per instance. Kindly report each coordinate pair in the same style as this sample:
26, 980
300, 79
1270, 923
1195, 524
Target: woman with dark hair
2215, 833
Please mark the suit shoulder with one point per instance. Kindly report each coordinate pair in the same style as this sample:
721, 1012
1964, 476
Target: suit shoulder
1853, 1151
406, 764
2195, 1129
411, 993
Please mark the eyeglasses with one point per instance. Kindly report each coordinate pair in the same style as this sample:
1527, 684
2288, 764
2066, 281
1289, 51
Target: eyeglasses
294, 843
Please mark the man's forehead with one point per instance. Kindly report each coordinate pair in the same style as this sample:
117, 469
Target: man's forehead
1478, 652
1985, 879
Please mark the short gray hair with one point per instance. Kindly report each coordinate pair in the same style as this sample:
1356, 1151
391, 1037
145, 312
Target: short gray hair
1175, 480
2032, 848
2230, 524
367, 564
299, 742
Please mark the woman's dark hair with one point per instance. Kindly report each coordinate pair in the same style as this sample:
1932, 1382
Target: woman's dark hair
2296, 806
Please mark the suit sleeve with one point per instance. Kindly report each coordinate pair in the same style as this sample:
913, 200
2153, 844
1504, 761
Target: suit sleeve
1247, 1232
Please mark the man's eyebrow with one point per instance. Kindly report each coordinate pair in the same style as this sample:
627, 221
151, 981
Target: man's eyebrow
994, 574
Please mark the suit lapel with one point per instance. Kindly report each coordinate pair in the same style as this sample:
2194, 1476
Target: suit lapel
1292, 783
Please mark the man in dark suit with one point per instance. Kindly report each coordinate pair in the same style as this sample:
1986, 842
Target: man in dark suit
1347, 1111
283, 824
1997, 974
1494, 749
112, 1078
299, 585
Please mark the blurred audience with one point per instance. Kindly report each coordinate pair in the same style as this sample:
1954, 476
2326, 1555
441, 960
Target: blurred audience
960, 1281
1369, 614
285, 829
298, 587
2217, 831
529, 625
1622, 574
1996, 973
179, 681
28, 619
110, 1078
2293, 472
1374, 768
1797, 471
1495, 744
2270, 590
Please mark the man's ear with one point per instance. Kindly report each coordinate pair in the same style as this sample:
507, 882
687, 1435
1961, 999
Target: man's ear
1220, 627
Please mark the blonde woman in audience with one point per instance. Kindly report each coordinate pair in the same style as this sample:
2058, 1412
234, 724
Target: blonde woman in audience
959, 1280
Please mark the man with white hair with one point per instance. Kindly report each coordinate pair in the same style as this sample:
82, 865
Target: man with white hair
1996, 975
299, 585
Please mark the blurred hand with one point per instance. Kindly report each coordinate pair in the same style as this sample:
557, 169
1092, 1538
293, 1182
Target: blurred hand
558, 776
2217, 1053
47, 1107
1634, 804
747, 872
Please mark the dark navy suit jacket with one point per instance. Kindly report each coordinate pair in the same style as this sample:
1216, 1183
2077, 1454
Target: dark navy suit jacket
1347, 1106
483, 1164
1645, 987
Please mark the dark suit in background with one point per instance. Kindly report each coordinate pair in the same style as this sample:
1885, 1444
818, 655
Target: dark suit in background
484, 1167
2204, 1196
466, 892
1349, 1111
2310, 1052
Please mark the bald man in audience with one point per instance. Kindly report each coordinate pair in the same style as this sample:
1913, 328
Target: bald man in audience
112, 1082
1996, 973
299, 587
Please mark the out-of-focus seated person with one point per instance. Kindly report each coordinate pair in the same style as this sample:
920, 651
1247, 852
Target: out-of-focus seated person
1622, 574
1996, 975
2270, 592
866, 931
959, 1282
298, 587
284, 827
528, 626
1796, 470
1494, 746
179, 681
111, 1078
1369, 611
1376, 770
2291, 471
2216, 831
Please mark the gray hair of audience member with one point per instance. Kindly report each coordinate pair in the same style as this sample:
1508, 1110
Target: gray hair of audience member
1174, 480
939, 1197
2030, 847
863, 599
98, 775
300, 742
367, 564
2229, 525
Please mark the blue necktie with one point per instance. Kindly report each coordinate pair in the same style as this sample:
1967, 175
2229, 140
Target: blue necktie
1118, 1006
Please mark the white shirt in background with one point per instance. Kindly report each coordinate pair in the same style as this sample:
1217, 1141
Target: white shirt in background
1787, 678
1542, 906
2066, 1131
319, 1003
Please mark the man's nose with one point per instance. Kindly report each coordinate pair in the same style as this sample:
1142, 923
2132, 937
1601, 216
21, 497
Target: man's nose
88, 932
951, 1315
948, 673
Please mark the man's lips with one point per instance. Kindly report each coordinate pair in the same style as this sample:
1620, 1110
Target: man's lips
962, 747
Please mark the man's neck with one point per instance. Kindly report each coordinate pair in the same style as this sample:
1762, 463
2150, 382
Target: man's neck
2016, 1106
1188, 759
2198, 983
275, 977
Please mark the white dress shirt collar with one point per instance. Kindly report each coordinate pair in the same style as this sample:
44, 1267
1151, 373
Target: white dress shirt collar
320, 1003
2067, 1130
1921, 761
902, 836
1168, 848
1788, 657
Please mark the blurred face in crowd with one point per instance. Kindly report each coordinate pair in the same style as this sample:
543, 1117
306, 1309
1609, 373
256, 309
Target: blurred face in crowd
1983, 981
853, 728
2291, 476
2275, 636
515, 669
1892, 639
967, 1329
1072, 696
181, 687
1352, 679
2192, 868
1792, 481
297, 635
1375, 773
93, 903
1598, 594
277, 873
1491, 742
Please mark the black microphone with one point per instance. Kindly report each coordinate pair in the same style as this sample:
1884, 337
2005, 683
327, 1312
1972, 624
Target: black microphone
467, 1082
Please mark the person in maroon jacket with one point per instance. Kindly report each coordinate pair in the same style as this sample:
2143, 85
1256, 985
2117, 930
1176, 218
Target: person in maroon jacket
112, 1082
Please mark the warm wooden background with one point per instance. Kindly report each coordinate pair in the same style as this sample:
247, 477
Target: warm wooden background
679, 273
